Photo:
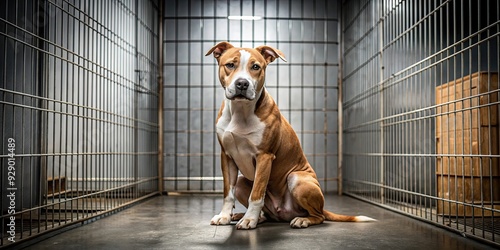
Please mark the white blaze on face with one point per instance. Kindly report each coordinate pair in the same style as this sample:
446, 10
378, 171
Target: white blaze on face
242, 73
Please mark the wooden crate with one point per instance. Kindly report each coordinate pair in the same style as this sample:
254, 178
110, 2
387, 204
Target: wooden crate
467, 125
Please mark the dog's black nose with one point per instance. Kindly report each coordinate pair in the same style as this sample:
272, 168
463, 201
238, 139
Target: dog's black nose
242, 84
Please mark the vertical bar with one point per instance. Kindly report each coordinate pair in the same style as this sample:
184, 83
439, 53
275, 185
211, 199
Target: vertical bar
433, 81
94, 124
481, 130
495, 225
403, 44
36, 118
340, 97
125, 172
67, 107
23, 124
202, 100
189, 155
423, 123
412, 125
489, 121
302, 106
32, 118
3, 122
160, 99
105, 105
137, 87
290, 31
471, 114
176, 110
52, 108
374, 70
214, 113
381, 93
87, 207
115, 159
278, 28
82, 172
325, 108
488, 110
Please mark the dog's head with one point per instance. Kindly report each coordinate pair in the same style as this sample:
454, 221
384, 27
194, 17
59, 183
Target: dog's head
242, 70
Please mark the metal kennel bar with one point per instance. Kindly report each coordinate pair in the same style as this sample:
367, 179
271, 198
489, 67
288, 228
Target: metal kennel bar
78, 108
305, 88
421, 107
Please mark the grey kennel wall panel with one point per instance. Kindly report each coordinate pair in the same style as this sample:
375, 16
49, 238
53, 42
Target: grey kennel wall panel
420, 101
78, 107
305, 88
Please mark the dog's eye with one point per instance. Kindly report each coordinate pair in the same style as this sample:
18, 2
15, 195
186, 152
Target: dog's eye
255, 67
230, 65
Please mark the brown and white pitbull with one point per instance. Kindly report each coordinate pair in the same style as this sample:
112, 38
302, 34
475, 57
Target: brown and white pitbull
277, 181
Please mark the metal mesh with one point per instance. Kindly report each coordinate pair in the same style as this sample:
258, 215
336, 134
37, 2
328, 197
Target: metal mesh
78, 111
421, 105
305, 88
80, 120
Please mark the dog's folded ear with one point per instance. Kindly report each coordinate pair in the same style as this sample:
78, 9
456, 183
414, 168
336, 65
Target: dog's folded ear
270, 53
218, 49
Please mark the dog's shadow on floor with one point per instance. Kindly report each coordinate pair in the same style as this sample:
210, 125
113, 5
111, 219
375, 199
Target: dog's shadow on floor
267, 233
264, 233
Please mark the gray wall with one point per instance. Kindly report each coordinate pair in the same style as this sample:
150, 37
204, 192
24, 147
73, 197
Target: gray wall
78, 93
396, 53
305, 88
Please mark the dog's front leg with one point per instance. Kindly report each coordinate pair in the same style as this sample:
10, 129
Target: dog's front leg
230, 175
256, 199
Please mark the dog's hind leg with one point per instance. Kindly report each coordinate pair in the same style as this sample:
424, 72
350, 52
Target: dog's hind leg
307, 193
242, 192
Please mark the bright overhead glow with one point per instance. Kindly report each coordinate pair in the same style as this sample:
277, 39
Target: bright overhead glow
248, 18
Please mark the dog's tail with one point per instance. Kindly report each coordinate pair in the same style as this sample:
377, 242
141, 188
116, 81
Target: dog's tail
345, 218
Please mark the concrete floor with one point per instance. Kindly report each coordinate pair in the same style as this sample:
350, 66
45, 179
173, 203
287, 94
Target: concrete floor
182, 222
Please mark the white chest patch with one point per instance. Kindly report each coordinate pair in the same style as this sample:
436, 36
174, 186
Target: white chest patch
240, 131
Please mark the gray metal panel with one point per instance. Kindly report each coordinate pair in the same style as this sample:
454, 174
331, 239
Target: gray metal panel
396, 53
78, 93
305, 88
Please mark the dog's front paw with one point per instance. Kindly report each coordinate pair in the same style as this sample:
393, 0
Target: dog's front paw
221, 220
249, 220
247, 223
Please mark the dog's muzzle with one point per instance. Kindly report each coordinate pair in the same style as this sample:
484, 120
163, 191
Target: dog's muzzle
240, 89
